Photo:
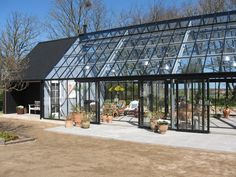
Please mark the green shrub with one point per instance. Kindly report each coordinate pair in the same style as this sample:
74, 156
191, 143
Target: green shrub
8, 136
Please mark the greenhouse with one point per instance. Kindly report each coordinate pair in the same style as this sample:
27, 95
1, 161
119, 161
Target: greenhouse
183, 70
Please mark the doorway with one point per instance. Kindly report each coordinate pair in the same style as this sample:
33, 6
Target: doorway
190, 105
120, 99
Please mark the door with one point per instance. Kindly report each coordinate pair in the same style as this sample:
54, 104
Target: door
152, 101
55, 106
88, 99
191, 106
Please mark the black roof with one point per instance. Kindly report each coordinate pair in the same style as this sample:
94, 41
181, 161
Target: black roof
44, 56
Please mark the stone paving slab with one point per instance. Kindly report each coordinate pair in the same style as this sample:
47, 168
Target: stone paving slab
209, 142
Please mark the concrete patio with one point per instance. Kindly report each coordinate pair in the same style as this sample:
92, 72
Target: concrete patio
220, 139
126, 132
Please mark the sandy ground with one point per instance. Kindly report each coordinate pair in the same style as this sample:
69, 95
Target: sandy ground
59, 155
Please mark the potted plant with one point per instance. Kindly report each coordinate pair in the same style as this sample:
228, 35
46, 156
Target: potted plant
20, 109
154, 116
226, 111
104, 118
152, 119
69, 121
77, 115
85, 122
162, 125
109, 118
107, 113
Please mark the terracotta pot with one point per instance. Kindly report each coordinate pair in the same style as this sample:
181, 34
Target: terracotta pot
226, 112
77, 117
20, 110
68, 123
85, 124
109, 119
104, 118
162, 129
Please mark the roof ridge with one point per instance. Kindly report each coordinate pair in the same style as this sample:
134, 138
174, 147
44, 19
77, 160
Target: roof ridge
54, 40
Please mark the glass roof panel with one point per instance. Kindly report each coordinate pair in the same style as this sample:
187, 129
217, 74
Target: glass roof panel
222, 19
196, 65
233, 17
182, 65
230, 46
229, 63
200, 48
212, 64
231, 30
189, 45
152, 67
215, 47
115, 69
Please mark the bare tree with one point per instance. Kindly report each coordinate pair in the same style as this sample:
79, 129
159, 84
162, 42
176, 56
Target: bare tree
156, 11
189, 9
133, 16
231, 4
211, 6
98, 16
207, 7
19, 35
11, 74
17, 39
68, 17
160, 11
137, 15
122, 19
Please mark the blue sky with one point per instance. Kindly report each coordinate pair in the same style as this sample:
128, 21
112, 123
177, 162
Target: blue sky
41, 8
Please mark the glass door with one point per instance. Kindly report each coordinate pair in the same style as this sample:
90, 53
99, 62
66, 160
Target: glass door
153, 101
54, 100
88, 99
191, 109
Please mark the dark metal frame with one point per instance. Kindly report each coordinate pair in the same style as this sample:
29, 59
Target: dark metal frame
125, 42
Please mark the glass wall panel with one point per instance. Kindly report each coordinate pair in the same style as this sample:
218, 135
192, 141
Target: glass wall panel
67, 89
153, 95
88, 99
192, 105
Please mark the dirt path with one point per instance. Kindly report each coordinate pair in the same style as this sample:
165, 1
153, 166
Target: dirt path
59, 155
